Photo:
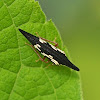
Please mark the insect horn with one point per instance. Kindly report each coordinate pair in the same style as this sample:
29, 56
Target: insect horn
69, 64
27, 35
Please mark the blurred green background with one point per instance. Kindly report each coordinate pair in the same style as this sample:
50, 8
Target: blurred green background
78, 22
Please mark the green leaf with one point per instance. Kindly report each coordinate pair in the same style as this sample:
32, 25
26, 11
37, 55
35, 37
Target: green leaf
21, 77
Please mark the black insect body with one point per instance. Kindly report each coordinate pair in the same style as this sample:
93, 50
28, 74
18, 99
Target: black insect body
56, 55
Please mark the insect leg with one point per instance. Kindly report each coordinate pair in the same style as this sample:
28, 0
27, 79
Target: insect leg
43, 60
56, 44
49, 65
40, 58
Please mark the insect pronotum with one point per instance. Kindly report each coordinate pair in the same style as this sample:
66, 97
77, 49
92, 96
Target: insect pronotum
55, 55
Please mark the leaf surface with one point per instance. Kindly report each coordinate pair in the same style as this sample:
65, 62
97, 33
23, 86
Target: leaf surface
21, 77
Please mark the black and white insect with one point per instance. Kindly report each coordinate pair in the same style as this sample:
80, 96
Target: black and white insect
53, 53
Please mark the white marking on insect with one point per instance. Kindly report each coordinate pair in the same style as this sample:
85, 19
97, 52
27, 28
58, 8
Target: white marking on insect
61, 51
53, 60
53, 47
49, 56
37, 46
56, 62
42, 41
57, 49
44, 54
